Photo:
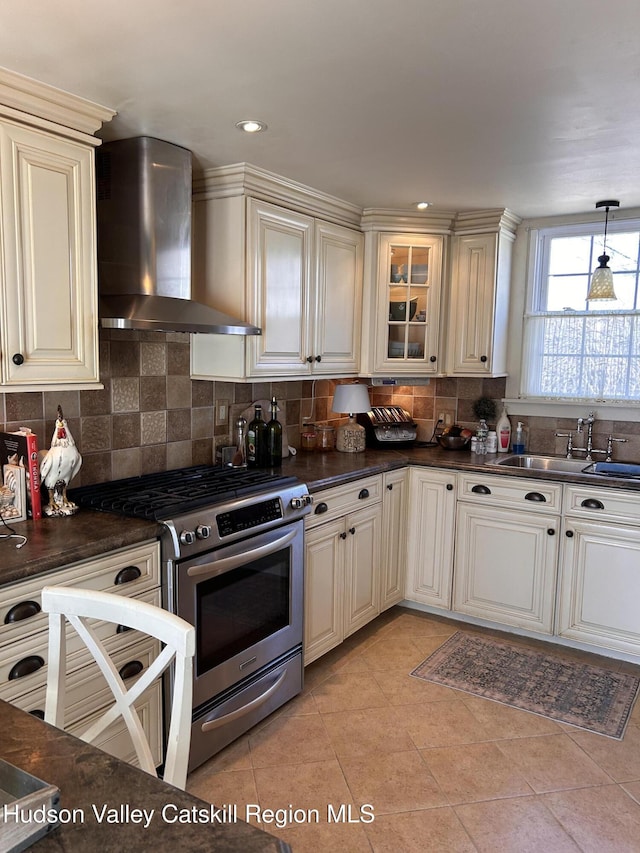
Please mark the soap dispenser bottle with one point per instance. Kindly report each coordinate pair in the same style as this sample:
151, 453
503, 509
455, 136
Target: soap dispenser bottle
519, 440
503, 429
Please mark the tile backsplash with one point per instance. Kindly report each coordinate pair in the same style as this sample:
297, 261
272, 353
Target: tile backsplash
151, 416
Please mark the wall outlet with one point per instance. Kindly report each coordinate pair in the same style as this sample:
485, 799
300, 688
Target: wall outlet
447, 416
222, 412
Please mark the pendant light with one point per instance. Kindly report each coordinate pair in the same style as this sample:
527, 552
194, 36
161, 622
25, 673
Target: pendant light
601, 286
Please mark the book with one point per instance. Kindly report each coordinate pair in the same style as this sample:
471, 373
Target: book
21, 448
13, 493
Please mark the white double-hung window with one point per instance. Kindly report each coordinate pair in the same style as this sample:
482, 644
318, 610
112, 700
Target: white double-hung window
574, 349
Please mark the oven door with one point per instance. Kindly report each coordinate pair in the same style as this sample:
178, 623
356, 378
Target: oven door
246, 603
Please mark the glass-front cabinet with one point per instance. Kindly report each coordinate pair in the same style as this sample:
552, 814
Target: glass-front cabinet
409, 286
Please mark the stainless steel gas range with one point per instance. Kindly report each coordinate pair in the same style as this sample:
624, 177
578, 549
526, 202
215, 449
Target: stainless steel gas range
233, 566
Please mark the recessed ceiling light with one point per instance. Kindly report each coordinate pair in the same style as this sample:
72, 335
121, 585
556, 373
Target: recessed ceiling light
423, 205
251, 126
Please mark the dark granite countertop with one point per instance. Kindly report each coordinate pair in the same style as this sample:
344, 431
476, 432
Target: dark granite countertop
56, 542
87, 777
324, 470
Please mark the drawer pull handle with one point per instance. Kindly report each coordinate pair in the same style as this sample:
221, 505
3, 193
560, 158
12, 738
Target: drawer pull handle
592, 503
126, 575
481, 490
22, 610
133, 667
535, 496
321, 508
37, 712
364, 493
26, 666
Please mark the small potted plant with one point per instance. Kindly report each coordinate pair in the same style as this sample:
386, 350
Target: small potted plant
484, 408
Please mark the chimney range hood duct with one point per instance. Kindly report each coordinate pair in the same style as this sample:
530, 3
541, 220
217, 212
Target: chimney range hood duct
144, 241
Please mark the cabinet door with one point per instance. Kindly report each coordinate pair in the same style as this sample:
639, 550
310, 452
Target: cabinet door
362, 567
338, 299
409, 286
505, 567
479, 307
48, 293
394, 538
600, 585
279, 273
324, 579
432, 503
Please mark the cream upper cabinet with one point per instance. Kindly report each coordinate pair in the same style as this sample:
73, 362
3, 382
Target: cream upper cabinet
296, 276
479, 296
408, 284
48, 281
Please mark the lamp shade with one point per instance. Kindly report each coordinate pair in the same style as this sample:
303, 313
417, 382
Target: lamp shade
350, 398
601, 285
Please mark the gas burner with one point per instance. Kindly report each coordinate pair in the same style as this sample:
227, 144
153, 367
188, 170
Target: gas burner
167, 494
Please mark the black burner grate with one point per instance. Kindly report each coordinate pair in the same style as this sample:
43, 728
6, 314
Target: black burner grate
167, 494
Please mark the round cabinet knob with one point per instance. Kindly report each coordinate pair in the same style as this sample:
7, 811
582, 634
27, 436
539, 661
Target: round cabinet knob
483, 359
551, 531
389, 487
432, 359
352, 530
203, 531
187, 537
309, 358
449, 487
318, 358
569, 534
18, 358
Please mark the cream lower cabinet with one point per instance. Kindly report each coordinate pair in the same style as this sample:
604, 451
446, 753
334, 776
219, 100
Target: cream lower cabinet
430, 524
132, 571
600, 569
507, 550
394, 537
342, 564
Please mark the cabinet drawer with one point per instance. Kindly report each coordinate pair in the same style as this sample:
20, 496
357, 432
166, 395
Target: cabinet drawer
341, 500
534, 495
86, 689
602, 504
31, 653
129, 571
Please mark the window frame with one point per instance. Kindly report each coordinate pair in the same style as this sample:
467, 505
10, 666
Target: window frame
528, 280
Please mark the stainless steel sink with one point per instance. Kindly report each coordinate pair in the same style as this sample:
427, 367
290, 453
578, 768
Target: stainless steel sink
562, 465
534, 462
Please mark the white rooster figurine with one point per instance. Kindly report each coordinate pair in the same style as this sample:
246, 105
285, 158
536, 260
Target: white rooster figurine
59, 466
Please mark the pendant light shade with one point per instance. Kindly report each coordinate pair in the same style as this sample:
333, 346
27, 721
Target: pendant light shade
601, 285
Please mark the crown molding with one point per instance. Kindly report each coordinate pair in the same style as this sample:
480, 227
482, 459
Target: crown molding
245, 179
487, 221
407, 221
33, 99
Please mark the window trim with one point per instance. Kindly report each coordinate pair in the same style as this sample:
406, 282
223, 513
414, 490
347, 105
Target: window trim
527, 257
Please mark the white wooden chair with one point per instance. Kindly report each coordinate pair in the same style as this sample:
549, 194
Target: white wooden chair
178, 637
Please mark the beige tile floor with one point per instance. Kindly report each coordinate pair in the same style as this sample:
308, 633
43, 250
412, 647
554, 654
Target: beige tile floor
443, 771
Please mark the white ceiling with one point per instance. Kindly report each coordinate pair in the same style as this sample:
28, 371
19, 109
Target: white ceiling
534, 106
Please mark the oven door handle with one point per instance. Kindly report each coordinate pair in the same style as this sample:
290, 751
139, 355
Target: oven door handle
226, 564
246, 709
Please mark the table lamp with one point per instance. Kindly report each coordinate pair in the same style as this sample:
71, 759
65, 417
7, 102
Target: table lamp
350, 398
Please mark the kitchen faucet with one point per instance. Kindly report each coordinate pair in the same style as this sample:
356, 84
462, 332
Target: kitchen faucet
588, 449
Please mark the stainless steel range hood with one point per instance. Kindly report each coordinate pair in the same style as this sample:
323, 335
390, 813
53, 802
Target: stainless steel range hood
144, 241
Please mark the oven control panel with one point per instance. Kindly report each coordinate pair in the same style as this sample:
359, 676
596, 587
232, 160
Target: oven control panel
246, 517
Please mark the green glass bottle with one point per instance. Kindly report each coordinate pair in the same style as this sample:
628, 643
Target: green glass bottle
256, 440
274, 437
